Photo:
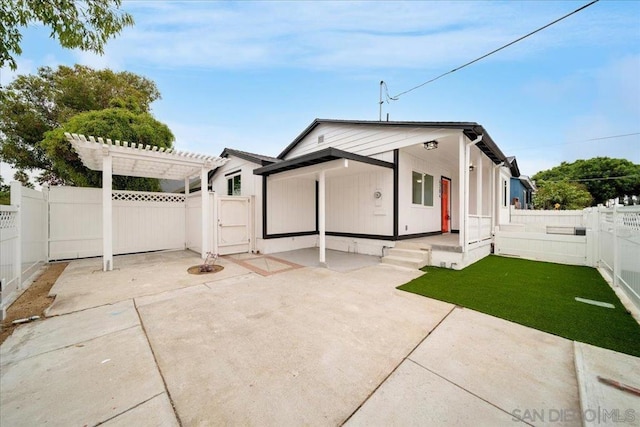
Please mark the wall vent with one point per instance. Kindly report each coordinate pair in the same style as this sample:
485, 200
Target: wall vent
320, 139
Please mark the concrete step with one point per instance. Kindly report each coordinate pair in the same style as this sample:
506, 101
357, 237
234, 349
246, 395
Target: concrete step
410, 254
403, 262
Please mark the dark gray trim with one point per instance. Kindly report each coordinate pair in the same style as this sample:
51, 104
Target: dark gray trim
250, 157
455, 231
418, 235
233, 173
317, 206
264, 207
322, 156
396, 196
293, 234
470, 129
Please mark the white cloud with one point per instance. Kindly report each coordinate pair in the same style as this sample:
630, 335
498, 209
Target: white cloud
330, 35
25, 66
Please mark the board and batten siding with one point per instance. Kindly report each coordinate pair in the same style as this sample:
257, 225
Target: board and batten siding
365, 140
414, 219
291, 205
352, 206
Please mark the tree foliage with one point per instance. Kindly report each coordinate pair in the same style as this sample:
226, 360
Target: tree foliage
562, 195
115, 123
32, 105
599, 175
23, 178
86, 25
4, 192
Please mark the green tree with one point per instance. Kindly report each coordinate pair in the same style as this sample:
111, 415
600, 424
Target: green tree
600, 175
23, 178
114, 123
567, 195
32, 105
5, 198
85, 25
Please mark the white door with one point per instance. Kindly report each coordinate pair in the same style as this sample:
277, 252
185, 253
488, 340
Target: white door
234, 224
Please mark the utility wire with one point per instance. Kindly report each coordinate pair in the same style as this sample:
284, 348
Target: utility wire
602, 178
493, 51
529, 148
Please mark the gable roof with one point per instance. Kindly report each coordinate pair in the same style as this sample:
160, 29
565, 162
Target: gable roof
471, 129
250, 157
513, 166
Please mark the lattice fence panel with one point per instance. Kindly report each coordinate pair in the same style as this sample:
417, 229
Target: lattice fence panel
8, 219
127, 196
629, 220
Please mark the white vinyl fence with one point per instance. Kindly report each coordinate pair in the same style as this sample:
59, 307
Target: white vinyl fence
605, 238
142, 221
23, 239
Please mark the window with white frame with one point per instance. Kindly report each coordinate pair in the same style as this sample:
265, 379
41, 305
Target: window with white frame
234, 185
422, 189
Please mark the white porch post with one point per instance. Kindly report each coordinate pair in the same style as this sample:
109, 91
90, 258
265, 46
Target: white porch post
467, 156
321, 217
107, 212
206, 220
462, 191
479, 188
186, 211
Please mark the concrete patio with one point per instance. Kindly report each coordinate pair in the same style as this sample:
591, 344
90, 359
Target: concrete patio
149, 344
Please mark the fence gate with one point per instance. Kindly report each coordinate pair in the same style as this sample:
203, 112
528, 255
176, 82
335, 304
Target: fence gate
234, 224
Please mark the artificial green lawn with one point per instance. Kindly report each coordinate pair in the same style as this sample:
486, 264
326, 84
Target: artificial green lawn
540, 295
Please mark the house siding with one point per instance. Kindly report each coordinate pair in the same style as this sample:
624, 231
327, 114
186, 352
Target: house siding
351, 205
365, 140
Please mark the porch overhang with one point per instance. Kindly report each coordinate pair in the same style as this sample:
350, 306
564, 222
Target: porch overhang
130, 159
318, 157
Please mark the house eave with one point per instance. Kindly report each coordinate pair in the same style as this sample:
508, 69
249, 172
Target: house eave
470, 129
317, 157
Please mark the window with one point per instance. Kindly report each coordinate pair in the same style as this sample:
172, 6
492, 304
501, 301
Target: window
422, 186
234, 186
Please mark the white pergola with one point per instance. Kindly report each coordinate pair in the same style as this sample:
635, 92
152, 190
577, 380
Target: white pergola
130, 159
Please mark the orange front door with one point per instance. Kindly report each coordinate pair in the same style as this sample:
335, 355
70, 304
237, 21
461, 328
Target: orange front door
445, 183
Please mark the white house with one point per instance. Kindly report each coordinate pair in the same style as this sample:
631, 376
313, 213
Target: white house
366, 186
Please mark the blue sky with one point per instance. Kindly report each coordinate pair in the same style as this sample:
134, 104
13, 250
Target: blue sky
253, 75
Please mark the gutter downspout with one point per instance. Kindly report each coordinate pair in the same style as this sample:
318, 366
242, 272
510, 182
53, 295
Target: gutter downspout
465, 214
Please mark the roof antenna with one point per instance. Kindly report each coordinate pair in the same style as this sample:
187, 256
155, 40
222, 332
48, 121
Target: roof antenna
387, 116
380, 101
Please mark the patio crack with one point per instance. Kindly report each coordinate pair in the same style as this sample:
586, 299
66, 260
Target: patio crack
398, 365
469, 391
155, 360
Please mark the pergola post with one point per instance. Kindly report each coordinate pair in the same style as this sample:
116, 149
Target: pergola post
107, 212
206, 220
322, 217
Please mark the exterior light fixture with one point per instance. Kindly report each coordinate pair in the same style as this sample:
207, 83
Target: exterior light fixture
430, 145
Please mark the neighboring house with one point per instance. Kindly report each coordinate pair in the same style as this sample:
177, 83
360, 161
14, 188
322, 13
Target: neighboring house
522, 188
361, 186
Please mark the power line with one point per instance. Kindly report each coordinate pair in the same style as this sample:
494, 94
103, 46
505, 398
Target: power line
601, 178
537, 146
493, 51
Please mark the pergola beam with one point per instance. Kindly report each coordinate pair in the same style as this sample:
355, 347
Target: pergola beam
130, 159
